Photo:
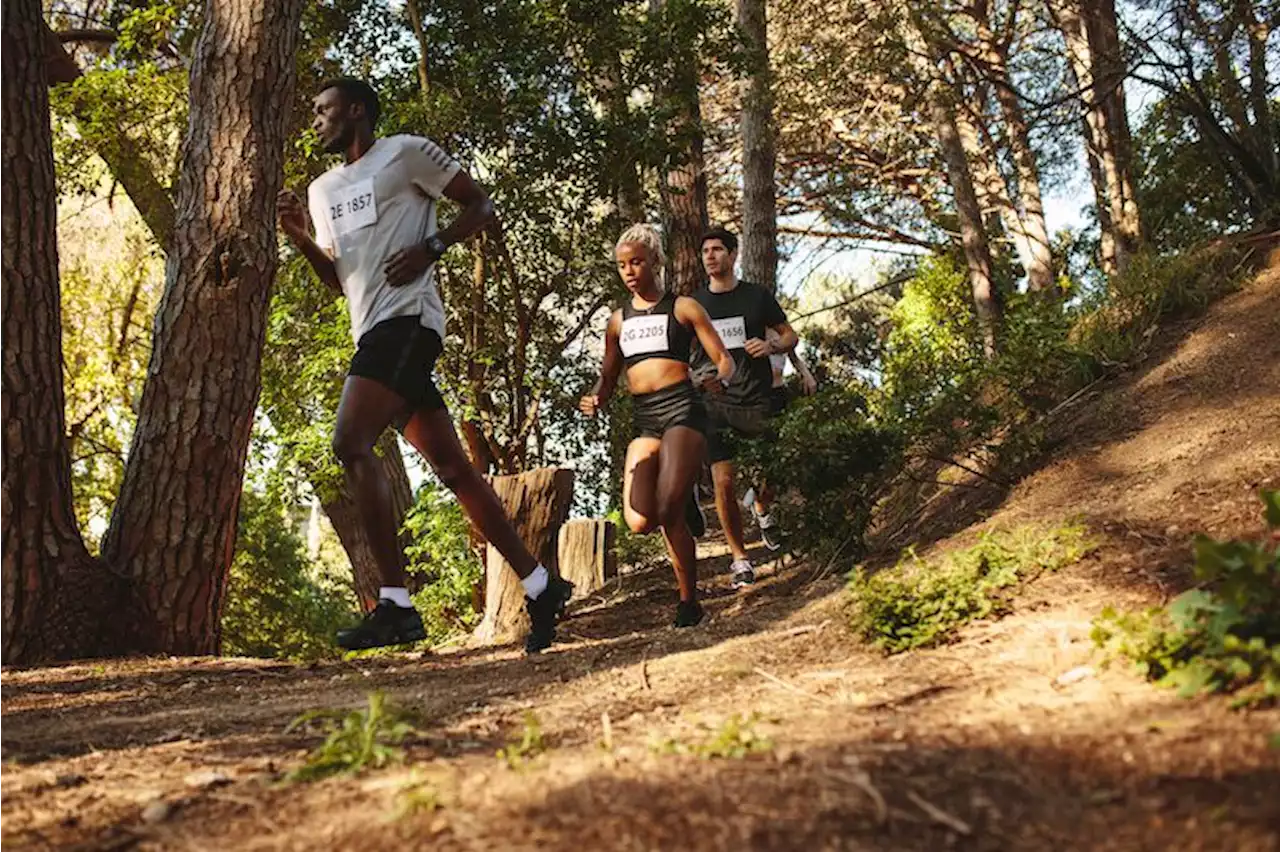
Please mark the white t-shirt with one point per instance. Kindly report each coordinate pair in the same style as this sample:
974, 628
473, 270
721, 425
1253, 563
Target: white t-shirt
366, 211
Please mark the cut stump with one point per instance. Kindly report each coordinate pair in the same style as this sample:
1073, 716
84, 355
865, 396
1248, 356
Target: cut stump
537, 502
587, 555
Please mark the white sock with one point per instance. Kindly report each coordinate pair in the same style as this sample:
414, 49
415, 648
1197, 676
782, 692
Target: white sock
398, 595
536, 583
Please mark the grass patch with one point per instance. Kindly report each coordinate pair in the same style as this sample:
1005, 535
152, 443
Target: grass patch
1223, 636
919, 603
735, 739
519, 753
355, 739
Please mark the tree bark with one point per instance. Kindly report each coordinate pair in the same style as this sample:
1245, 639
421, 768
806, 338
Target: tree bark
173, 529
57, 600
587, 556
537, 503
1037, 252
1095, 61
415, 21
759, 256
684, 187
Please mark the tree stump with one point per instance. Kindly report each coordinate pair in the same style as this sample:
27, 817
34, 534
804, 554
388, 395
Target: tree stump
537, 502
587, 556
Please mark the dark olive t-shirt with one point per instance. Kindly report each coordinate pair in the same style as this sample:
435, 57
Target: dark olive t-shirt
739, 315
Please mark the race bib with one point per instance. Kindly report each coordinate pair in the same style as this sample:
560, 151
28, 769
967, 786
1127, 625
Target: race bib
733, 331
353, 207
642, 335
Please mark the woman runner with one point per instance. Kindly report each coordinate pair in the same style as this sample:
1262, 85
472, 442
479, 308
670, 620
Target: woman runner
651, 334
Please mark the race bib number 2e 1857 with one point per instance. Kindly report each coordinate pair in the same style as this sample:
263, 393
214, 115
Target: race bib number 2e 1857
733, 331
353, 207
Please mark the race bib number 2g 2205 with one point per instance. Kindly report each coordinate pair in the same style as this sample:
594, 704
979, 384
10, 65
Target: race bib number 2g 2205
642, 335
733, 331
353, 207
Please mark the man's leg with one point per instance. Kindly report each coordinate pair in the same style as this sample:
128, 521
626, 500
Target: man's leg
727, 508
431, 432
366, 409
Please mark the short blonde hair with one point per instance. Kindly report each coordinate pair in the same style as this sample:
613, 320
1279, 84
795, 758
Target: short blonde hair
647, 236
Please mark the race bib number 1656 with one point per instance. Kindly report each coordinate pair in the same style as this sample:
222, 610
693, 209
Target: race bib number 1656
353, 207
733, 331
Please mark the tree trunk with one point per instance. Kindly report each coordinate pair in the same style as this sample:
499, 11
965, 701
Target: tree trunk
1037, 250
537, 503
344, 514
587, 556
973, 235
759, 257
173, 529
415, 21
684, 187
57, 600
1094, 58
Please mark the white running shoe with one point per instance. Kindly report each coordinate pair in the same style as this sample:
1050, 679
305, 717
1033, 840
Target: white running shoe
769, 532
749, 499
742, 574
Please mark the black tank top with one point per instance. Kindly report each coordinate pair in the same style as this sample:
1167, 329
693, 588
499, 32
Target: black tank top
654, 333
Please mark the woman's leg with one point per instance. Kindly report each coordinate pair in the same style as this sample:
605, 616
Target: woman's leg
639, 485
679, 464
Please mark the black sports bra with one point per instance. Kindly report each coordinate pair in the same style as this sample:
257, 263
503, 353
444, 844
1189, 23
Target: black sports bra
654, 333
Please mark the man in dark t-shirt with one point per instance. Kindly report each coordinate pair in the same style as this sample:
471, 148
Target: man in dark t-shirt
742, 312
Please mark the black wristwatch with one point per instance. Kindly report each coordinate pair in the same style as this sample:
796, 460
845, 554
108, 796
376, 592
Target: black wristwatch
436, 246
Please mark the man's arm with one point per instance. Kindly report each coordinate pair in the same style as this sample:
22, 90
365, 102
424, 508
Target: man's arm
293, 221
807, 380
477, 211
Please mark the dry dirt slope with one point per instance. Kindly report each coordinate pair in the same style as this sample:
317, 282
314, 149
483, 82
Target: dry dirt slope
971, 746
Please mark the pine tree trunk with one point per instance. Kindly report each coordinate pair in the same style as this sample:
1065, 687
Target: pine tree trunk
759, 255
344, 514
1038, 257
538, 504
57, 599
1109, 72
684, 187
973, 235
173, 529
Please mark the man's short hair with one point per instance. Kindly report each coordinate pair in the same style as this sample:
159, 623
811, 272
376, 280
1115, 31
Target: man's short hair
724, 235
357, 92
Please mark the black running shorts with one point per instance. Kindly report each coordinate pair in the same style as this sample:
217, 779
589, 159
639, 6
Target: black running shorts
728, 421
778, 399
400, 354
675, 405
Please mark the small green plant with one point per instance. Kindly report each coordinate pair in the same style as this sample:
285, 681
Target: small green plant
518, 754
416, 797
917, 603
735, 739
443, 564
1221, 637
355, 739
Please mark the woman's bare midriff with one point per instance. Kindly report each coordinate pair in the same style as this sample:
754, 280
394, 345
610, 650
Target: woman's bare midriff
655, 374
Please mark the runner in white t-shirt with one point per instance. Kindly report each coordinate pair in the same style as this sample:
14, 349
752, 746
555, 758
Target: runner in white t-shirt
376, 242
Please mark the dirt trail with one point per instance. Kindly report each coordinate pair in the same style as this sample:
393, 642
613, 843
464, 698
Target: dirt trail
973, 746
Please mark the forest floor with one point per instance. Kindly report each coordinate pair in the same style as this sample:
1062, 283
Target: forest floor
980, 744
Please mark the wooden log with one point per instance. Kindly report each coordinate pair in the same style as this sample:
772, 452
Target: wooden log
587, 555
537, 502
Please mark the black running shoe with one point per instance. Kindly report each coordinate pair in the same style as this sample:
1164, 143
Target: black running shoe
694, 516
543, 614
688, 614
387, 624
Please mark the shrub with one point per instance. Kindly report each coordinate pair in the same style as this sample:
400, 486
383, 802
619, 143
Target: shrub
918, 603
1223, 637
274, 606
442, 561
354, 739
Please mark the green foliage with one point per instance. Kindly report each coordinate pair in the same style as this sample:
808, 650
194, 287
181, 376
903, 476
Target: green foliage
917, 603
442, 561
826, 461
275, 605
1221, 637
354, 739
735, 739
518, 754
